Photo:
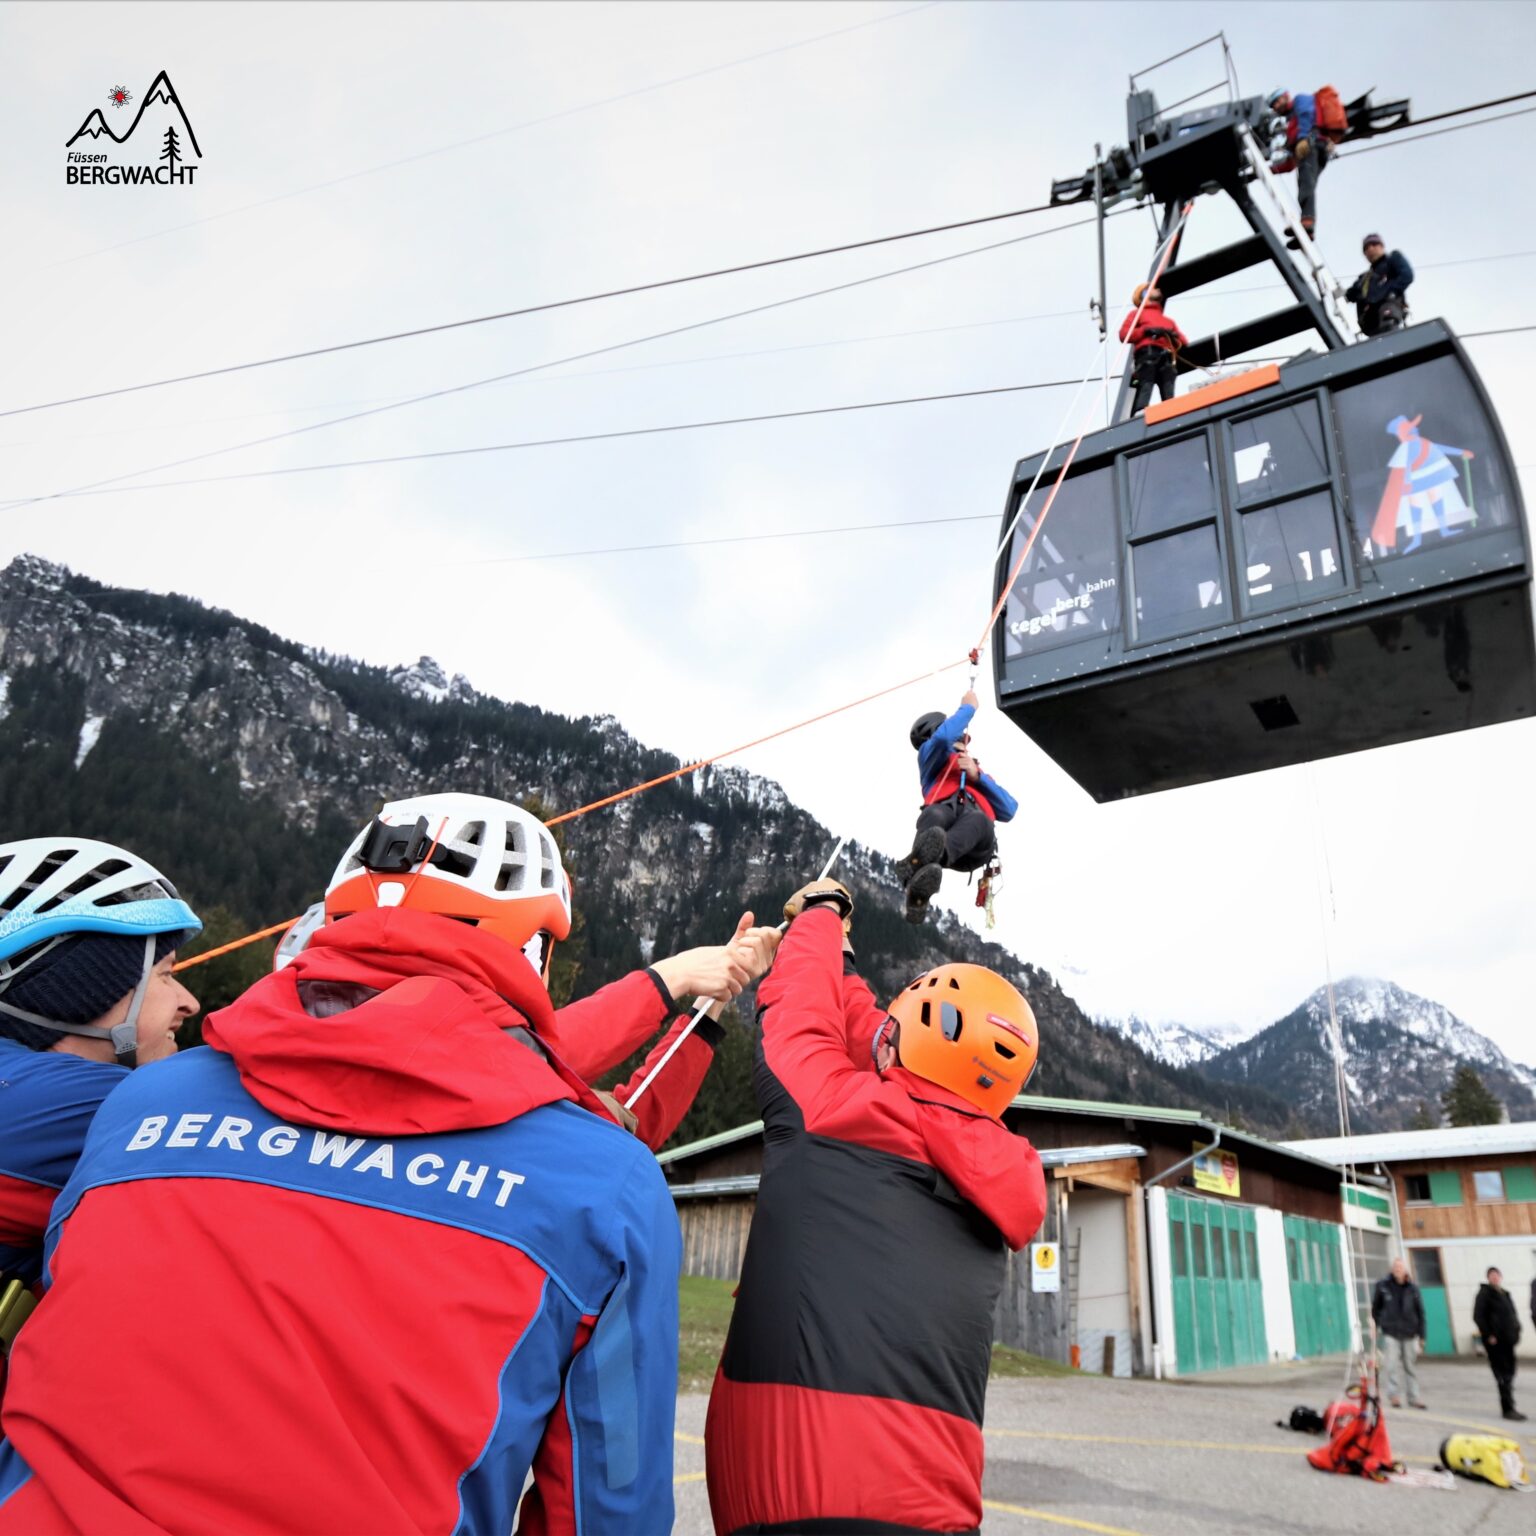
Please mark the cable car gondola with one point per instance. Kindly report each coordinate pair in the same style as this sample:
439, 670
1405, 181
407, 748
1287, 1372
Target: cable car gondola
1301, 560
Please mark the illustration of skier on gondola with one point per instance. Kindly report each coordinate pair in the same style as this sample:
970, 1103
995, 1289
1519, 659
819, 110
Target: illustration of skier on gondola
1421, 479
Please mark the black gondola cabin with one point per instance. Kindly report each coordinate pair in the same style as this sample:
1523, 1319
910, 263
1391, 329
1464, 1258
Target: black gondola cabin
1299, 562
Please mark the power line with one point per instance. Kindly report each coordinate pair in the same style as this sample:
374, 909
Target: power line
496, 133
575, 357
552, 442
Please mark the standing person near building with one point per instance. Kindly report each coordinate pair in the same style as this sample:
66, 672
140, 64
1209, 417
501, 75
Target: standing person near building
369, 1257
88, 934
851, 1389
1155, 346
1498, 1325
1397, 1312
957, 826
1380, 293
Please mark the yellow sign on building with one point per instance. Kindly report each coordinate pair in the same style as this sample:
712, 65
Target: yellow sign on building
1216, 1172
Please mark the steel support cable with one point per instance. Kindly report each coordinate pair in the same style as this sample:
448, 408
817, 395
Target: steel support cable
527, 309
575, 357
1371, 149
554, 442
638, 789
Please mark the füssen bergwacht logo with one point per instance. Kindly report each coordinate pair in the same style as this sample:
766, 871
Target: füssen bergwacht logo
163, 155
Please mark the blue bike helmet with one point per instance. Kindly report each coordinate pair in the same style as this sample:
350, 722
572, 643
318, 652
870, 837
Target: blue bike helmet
53, 889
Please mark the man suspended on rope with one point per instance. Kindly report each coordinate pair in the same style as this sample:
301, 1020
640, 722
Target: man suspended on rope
409, 1250
1498, 1325
88, 932
850, 1392
1155, 346
592, 1035
1313, 126
1380, 293
956, 828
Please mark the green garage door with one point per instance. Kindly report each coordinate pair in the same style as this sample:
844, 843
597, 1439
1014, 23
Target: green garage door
1319, 1296
1218, 1304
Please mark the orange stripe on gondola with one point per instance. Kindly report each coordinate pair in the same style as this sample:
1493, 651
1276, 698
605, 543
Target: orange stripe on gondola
1214, 394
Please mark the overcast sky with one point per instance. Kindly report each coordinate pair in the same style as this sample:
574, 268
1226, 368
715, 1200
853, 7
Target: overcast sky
371, 168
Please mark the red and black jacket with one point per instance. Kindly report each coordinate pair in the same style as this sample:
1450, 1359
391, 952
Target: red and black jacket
850, 1394
1152, 328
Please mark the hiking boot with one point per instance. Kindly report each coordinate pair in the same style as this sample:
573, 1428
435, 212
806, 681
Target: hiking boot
1420, 1406
927, 848
921, 889
1515, 1415
1395, 1402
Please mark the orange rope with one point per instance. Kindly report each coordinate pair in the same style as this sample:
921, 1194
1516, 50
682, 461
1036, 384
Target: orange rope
746, 746
625, 794
234, 944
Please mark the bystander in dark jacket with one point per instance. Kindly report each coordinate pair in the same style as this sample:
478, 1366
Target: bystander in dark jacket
1380, 293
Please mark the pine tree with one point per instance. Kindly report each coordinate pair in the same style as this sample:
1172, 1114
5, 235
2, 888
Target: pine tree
1468, 1102
1422, 1119
172, 151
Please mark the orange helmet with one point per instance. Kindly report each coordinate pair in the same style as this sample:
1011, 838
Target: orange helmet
966, 1029
483, 861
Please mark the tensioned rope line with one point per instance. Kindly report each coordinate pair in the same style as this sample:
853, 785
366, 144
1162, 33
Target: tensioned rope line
635, 789
575, 357
555, 442
496, 133
527, 309
1371, 149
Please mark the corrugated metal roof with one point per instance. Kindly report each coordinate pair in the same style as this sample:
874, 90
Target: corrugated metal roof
1403, 1146
709, 1143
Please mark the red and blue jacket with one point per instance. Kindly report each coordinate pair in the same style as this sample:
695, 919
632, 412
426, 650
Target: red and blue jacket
941, 776
357, 1273
850, 1393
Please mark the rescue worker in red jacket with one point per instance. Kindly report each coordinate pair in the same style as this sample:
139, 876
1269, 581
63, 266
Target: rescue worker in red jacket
850, 1393
449, 836
410, 1252
1156, 342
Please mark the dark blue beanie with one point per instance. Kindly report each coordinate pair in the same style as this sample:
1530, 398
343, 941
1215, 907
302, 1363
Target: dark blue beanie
77, 981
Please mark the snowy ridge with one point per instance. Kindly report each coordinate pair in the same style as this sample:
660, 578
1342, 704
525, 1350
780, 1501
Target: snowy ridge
1180, 1045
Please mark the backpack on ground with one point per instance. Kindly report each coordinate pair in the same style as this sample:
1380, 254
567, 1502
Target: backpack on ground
1332, 121
1305, 1421
1357, 1436
1491, 1458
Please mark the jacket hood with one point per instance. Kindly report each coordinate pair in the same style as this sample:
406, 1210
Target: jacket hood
426, 1051
997, 1172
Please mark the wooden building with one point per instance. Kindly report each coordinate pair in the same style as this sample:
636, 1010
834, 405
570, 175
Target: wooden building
1462, 1199
1173, 1244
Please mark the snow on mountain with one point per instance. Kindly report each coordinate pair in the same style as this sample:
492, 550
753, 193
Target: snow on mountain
1180, 1045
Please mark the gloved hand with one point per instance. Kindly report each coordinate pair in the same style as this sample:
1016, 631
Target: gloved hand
832, 893
1303, 148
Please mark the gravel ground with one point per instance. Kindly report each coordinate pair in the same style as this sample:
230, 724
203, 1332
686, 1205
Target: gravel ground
1201, 1458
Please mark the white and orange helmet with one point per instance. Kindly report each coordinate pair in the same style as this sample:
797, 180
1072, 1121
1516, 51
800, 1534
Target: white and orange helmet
469, 857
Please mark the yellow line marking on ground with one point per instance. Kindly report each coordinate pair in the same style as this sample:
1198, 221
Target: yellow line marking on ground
677, 1434
1502, 1430
1040, 1514
688, 1477
1178, 1445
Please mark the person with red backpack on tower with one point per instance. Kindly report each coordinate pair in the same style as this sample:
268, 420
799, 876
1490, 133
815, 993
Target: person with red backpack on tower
1315, 125
956, 828
411, 1253
851, 1390
1155, 346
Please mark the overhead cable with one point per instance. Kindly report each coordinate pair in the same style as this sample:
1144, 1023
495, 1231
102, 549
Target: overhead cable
575, 357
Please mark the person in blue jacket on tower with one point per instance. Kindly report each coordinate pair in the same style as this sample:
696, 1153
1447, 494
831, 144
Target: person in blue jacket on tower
956, 828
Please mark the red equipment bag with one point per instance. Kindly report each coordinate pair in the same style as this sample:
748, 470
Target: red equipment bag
1357, 1436
1332, 121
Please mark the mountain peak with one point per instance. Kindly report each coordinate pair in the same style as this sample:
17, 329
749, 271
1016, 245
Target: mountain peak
423, 679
